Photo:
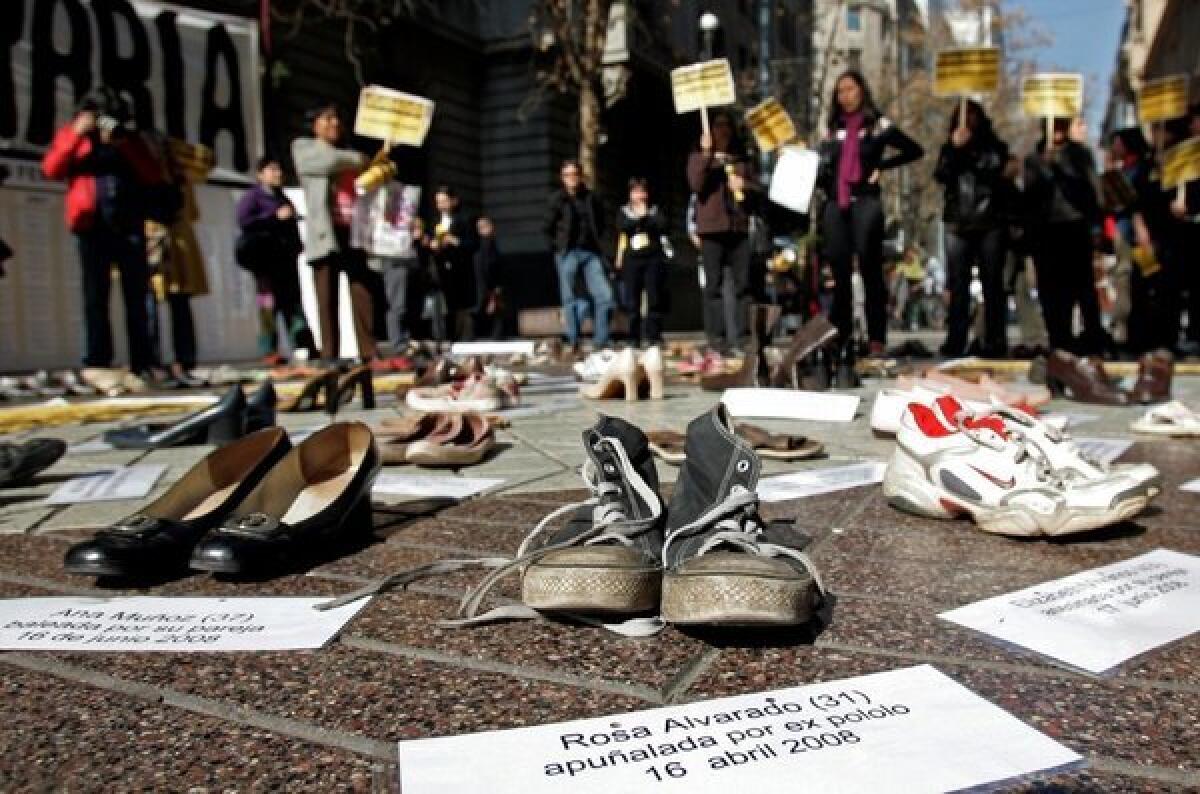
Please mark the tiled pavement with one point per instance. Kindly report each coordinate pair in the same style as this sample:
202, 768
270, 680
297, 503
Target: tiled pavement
328, 720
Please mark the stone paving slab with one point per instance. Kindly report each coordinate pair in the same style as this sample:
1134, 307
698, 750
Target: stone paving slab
326, 720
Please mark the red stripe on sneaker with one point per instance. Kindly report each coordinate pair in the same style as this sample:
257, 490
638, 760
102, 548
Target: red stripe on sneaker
927, 421
1009, 483
950, 407
993, 423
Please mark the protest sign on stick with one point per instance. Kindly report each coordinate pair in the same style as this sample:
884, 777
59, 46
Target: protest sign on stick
700, 86
393, 116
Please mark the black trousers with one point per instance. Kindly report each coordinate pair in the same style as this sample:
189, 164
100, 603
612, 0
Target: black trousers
648, 274
183, 329
965, 249
1062, 256
1188, 261
99, 249
725, 315
857, 230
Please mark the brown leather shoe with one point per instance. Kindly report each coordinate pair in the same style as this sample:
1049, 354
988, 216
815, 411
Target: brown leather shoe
813, 334
753, 372
1081, 379
1155, 371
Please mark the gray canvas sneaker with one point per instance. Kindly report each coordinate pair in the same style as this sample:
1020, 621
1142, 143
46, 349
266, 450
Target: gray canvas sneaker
606, 558
723, 564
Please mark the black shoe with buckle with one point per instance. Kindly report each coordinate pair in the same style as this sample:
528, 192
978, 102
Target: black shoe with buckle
606, 559
320, 492
723, 564
160, 538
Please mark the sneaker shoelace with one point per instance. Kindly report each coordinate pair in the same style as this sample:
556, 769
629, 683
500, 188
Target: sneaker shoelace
610, 524
1019, 446
736, 523
1023, 424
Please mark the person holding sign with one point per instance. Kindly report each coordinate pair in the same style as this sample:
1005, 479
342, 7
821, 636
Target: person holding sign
327, 176
722, 177
1062, 201
641, 260
853, 155
971, 169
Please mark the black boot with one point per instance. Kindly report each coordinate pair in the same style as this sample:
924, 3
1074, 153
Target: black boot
724, 566
607, 559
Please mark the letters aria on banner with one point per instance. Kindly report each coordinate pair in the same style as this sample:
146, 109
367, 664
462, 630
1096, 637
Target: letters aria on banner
192, 75
1181, 163
1058, 96
771, 125
393, 116
1163, 99
702, 85
966, 71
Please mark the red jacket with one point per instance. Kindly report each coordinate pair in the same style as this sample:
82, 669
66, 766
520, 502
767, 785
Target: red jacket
66, 160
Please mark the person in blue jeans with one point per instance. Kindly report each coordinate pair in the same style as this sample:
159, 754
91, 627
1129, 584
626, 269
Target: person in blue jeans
575, 225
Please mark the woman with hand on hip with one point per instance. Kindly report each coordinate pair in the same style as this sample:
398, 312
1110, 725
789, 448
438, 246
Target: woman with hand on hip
853, 156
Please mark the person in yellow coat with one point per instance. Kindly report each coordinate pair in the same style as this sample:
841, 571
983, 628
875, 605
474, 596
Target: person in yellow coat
176, 261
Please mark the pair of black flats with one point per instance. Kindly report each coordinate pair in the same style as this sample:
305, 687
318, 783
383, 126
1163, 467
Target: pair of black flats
248, 508
228, 419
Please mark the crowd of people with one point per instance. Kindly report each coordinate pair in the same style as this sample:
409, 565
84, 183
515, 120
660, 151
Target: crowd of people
130, 205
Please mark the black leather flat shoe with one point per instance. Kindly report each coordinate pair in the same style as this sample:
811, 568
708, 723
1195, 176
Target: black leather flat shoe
20, 462
162, 535
260, 408
219, 423
318, 494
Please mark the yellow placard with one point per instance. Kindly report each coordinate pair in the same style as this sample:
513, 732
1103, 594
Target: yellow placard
1181, 163
771, 124
1163, 99
975, 70
194, 160
702, 85
1057, 96
393, 116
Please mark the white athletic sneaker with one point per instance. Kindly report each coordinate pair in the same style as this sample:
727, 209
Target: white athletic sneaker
1061, 451
592, 368
1005, 484
890, 405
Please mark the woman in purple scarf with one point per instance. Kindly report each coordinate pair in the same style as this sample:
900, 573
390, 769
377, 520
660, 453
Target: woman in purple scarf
853, 155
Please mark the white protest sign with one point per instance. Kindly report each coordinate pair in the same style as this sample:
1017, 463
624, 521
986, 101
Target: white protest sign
1097, 619
436, 487
1104, 449
1191, 486
913, 730
794, 178
514, 347
819, 481
702, 85
127, 482
146, 623
393, 116
790, 404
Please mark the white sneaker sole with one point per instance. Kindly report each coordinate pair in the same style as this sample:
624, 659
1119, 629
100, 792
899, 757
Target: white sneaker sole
907, 488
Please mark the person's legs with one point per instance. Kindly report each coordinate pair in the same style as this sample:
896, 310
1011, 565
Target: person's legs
1082, 283
634, 277
395, 284
1048, 252
568, 267
366, 289
839, 253
325, 282
867, 218
656, 300
713, 254
135, 281
738, 309
993, 254
267, 303
960, 252
183, 330
96, 261
602, 297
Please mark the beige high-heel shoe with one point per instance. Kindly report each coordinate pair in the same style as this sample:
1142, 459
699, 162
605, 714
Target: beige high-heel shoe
651, 366
622, 376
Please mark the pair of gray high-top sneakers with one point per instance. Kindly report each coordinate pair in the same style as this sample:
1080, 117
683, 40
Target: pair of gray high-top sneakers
706, 558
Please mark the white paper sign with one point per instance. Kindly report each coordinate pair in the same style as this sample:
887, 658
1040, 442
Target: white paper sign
912, 730
1097, 619
794, 178
1192, 486
514, 347
145, 623
1104, 449
810, 483
435, 487
127, 482
790, 404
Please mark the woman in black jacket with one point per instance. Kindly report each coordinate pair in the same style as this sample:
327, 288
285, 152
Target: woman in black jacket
642, 263
971, 169
1062, 202
852, 222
